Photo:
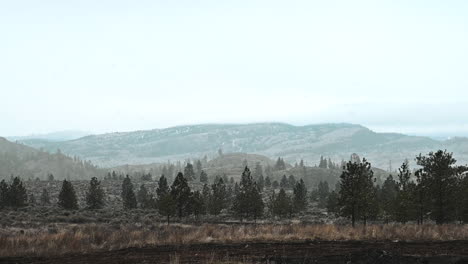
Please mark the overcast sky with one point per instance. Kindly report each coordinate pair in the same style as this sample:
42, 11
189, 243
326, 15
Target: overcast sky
104, 66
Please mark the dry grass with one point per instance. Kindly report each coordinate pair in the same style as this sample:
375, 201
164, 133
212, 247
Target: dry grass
96, 237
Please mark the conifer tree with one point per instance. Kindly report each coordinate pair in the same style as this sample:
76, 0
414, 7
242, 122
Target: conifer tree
144, 198
45, 198
284, 182
248, 200
180, 192
388, 199
95, 195
356, 190
440, 173
218, 197
4, 193
300, 196
203, 177
67, 196
322, 193
128, 195
267, 182
17, 195
165, 203
282, 204
189, 172
196, 204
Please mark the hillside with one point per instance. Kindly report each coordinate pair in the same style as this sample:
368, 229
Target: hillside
293, 143
20, 160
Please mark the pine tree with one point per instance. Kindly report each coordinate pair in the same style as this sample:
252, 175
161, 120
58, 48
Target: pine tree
267, 182
165, 203
128, 195
45, 199
196, 204
4, 194
284, 182
440, 173
203, 177
291, 181
198, 168
248, 200
333, 206
189, 172
67, 196
388, 199
17, 195
144, 198
180, 192
95, 195
300, 196
218, 197
356, 191
404, 200
322, 193
282, 204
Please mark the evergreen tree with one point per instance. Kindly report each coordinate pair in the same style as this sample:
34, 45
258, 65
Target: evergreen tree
291, 181
17, 196
4, 193
440, 173
258, 170
165, 203
248, 200
50, 177
95, 194
275, 184
189, 172
388, 199
196, 204
300, 196
322, 193
282, 204
198, 168
333, 206
404, 201
67, 196
45, 198
32, 199
218, 197
203, 177
267, 182
128, 195
144, 198
356, 190
284, 182
180, 192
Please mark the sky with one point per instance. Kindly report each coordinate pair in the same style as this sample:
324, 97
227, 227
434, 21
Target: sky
106, 66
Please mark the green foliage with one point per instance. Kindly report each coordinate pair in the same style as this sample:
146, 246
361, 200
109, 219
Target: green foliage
281, 204
203, 177
323, 191
128, 195
388, 199
333, 206
357, 192
144, 198
248, 199
438, 178
189, 172
95, 195
180, 192
218, 197
300, 196
67, 196
165, 202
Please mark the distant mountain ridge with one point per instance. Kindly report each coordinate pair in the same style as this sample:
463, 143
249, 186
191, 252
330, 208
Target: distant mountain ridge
54, 136
293, 143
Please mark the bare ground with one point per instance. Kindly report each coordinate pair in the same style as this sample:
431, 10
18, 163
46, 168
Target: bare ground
274, 252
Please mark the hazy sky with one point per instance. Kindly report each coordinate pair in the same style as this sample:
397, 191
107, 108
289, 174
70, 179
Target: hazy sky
104, 66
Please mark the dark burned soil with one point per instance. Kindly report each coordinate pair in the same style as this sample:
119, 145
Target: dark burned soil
275, 252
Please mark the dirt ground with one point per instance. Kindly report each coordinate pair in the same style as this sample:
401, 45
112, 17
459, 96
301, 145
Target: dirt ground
263, 252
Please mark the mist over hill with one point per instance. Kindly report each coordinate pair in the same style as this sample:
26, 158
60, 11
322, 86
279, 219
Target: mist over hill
29, 163
337, 141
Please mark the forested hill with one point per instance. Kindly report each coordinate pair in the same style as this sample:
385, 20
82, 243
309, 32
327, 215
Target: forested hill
293, 143
27, 162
